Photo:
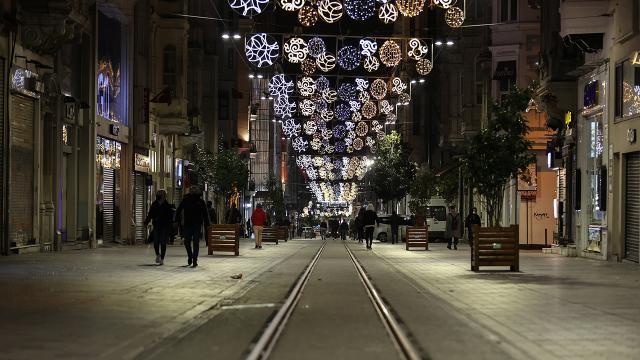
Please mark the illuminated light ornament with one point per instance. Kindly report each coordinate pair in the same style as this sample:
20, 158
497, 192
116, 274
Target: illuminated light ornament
295, 50
410, 8
358, 144
330, 95
330, 10
368, 46
248, 7
300, 144
316, 144
339, 131
290, 128
454, 17
280, 85
261, 50
445, 4
348, 57
362, 128
308, 66
370, 142
390, 53
320, 104
283, 108
355, 105
322, 83
316, 47
417, 49
322, 126
391, 118
291, 5
388, 13
310, 127
347, 91
306, 86
424, 66
349, 149
360, 9
356, 116
326, 135
397, 86
343, 112
363, 96
308, 16
340, 146
318, 161
326, 62
326, 115
380, 135
369, 109
371, 63
404, 98
350, 125
378, 89
362, 84
375, 126
307, 107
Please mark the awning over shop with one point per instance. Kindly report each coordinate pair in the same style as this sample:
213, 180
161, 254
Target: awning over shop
505, 70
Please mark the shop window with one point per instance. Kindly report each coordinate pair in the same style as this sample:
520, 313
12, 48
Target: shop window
112, 69
508, 10
169, 71
596, 172
627, 90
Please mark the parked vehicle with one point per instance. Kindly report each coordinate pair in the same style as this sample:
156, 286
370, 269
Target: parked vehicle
436, 216
382, 232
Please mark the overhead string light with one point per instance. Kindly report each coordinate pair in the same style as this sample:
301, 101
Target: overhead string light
349, 57
326, 62
330, 10
360, 9
368, 46
454, 17
410, 8
371, 63
308, 66
291, 5
388, 13
390, 53
316, 47
445, 4
248, 8
308, 16
295, 50
424, 66
417, 49
261, 50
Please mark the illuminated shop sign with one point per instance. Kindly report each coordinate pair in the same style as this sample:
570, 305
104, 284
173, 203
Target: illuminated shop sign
25, 82
142, 163
108, 153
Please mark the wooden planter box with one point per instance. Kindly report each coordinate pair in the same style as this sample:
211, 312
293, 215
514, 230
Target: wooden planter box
270, 234
495, 247
417, 236
283, 233
224, 238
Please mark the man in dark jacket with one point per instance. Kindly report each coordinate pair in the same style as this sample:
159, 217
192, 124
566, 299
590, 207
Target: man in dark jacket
394, 221
370, 221
472, 219
233, 215
161, 216
195, 215
360, 223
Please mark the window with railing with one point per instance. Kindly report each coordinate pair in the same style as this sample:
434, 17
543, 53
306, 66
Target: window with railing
170, 69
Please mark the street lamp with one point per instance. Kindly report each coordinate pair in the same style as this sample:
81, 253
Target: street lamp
236, 36
450, 43
226, 36
438, 43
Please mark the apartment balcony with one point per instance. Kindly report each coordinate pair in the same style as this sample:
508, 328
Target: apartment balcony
172, 116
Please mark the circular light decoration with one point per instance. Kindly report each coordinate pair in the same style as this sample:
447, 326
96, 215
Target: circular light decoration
320, 104
348, 57
375, 126
307, 107
424, 66
417, 49
326, 115
445, 4
385, 107
306, 86
380, 135
390, 53
369, 109
347, 92
343, 111
371, 63
308, 16
308, 66
404, 98
356, 116
322, 83
340, 146
355, 105
310, 127
350, 125
363, 96
362, 84
362, 129
295, 50
316, 144
391, 118
261, 50
330, 10
300, 144
358, 144
248, 7
330, 95
291, 5
283, 108
339, 131
397, 86
410, 8
326, 135
279, 85
290, 128
388, 13
326, 62
454, 17
321, 125
368, 46
360, 9
316, 47
378, 89
370, 142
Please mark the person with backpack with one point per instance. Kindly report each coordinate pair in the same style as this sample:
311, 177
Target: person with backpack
195, 214
161, 216
454, 227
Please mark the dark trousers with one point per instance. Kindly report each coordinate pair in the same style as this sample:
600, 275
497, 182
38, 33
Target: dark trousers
160, 238
454, 240
369, 235
360, 233
192, 236
343, 234
394, 235
470, 234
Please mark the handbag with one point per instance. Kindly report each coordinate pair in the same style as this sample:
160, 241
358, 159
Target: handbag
149, 238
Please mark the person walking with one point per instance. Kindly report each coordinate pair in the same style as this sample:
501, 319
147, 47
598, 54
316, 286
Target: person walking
344, 228
323, 228
258, 220
394, 221
233, 215
360, 223
213, 216
472, 219
370, 220
195, 214
161, 216
454, 227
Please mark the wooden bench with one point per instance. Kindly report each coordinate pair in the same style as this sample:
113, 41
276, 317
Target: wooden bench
224, 238
417, 236
270, 234
495, 247
283, 233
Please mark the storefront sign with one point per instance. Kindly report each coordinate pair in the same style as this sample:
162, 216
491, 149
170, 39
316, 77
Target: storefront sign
26, 82
142, 163
114, 129
108, 153
635, 58
590, 97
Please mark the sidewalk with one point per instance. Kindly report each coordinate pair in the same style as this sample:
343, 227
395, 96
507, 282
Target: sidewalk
556, 307
114, 302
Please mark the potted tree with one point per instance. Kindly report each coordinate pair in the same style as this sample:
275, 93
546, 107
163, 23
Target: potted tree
421, 191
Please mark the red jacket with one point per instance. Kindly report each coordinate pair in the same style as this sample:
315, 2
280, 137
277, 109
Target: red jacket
259, 217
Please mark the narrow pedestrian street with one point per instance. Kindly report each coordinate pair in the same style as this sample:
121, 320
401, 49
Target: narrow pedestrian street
126, 307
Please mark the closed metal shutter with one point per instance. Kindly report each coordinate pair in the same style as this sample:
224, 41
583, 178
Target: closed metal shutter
4, 245
21, 172
632, 207
139, 205
108, 186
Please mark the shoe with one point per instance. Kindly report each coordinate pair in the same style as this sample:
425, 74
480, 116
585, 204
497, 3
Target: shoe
161, 262
189, 261
195, 265
449, 247
256, 246
157, 259
260, 247
455, 247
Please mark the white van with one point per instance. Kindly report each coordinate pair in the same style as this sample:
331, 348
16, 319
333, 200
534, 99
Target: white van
436, 217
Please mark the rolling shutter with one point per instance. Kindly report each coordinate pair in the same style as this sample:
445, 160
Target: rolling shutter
108, 185
139, 202
632, 207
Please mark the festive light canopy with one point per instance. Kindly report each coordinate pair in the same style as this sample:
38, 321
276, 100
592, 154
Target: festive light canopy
261, 50
371, 63
410, 8
248, 7
316, 47
368, 46
360, 9
445, 4
280, 85
417, 49
291, 5
388, 13
454, 17
378, 89
390, 53
308, 16
295, 50
308, 66
424, 66
330, 10
326, 62
348, 57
